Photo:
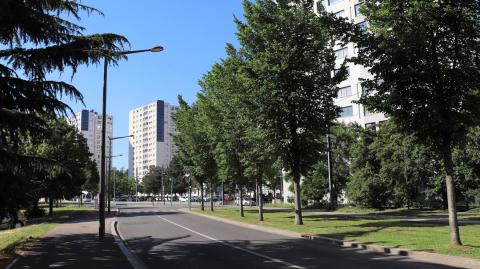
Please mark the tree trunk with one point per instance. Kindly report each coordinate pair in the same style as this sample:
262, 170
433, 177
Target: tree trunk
298, 202
50, 206
202, 204
452, 209
211, 197
242, 214
260, 199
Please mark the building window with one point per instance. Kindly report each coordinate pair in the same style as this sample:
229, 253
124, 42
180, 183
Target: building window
335, 72
340, 14
357, 10
362, 25
344, 92
341, 53
333, 2
370, 125
346, 112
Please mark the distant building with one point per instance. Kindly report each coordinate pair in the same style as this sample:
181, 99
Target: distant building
89, 124
152, 128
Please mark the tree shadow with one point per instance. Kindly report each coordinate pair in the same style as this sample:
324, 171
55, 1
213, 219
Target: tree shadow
83, 250
188, 252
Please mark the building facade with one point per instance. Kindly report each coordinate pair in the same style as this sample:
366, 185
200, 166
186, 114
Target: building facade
152, 143
89, 124
350, 90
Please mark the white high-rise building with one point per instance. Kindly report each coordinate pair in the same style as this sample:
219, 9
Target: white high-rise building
351, 89
89, 124
152, 143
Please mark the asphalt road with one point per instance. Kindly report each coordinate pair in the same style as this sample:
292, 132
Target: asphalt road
167, 238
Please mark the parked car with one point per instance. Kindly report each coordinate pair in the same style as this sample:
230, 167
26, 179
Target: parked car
228, 197
247, 200
10, 223
183, 199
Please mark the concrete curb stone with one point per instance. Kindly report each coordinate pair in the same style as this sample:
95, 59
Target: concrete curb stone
463, 262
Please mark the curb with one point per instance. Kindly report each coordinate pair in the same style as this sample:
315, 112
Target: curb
455, 261
131, 257
12, 263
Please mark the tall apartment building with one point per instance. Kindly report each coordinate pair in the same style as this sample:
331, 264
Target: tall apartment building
350, 90
152, 128
89, 124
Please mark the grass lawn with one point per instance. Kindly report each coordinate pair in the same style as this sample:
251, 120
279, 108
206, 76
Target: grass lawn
11, 240
432, 237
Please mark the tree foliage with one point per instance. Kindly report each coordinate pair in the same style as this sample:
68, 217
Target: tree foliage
68, 150
39, 37
290, 59
194, 145
423, 56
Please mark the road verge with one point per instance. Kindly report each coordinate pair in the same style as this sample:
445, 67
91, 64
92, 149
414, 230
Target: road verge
443, 259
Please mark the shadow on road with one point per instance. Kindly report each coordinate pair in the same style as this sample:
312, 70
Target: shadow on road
186, 252
75, 250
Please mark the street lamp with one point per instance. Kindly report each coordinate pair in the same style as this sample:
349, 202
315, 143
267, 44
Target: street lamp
101, 212
109, 191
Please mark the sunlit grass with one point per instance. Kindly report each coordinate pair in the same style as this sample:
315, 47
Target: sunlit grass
432, 237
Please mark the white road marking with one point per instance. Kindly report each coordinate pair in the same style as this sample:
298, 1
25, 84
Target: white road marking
235, 247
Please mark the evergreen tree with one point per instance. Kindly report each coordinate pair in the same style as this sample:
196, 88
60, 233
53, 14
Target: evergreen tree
39, 37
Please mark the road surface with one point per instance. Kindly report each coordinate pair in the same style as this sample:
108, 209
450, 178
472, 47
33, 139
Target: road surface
168, 238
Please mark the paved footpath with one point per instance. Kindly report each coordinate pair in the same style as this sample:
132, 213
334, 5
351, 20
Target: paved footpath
74, 245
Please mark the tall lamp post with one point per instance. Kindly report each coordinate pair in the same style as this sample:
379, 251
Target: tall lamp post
109, 191
101, 212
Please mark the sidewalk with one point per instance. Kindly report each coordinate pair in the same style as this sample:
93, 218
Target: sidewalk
74, 245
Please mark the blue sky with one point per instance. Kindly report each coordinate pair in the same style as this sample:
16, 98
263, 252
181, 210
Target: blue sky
193, 33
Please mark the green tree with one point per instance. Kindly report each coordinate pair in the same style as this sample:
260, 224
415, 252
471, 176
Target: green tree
69, 151
315, 185
124, 185
290, 60
425, 75
406, 165
366, 188
240, 144
176, 172
154, 181
39, 37
195, 149
467, 167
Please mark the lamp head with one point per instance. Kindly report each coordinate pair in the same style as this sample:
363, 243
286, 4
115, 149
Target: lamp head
156, 49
